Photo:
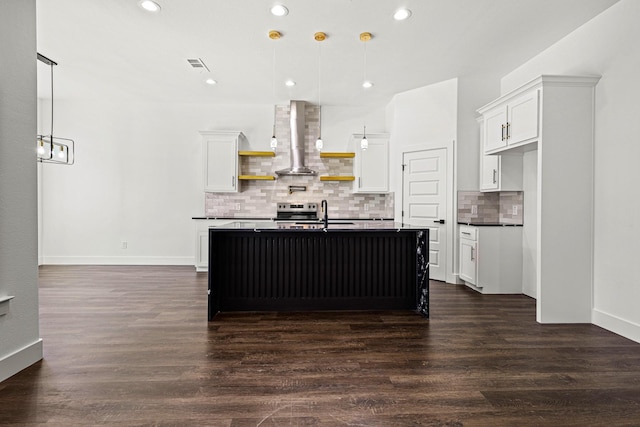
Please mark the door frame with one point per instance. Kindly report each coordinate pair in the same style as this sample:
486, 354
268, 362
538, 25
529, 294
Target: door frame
451, 270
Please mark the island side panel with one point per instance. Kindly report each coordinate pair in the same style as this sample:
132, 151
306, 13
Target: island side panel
422, 272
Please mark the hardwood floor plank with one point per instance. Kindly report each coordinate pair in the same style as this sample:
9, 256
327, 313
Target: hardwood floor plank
131, 346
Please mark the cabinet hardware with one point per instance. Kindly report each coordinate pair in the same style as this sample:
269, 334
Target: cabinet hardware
466, 234
503, 138
494, 176
439, 221
359, 182
508, 126
233, 180
472, 258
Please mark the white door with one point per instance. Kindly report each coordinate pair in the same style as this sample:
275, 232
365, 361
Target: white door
424, 202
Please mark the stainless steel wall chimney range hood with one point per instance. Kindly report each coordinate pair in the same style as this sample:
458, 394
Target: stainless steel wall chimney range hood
296, 152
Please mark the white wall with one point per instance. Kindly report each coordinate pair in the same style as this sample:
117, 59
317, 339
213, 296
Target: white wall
138, 178
607, 46
420, 119
20, 344
473, 92
425, 117
530, 225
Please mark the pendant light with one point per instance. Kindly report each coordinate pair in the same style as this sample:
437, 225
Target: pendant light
364, 38
320, 37
274, 35
364, 144
50, 149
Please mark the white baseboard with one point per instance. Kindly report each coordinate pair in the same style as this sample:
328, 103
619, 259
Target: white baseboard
20, 359
116, 260
616, 325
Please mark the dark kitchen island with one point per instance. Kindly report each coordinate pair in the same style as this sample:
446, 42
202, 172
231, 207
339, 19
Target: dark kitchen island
271, 266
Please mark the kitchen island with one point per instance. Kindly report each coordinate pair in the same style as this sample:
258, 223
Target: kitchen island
272, 266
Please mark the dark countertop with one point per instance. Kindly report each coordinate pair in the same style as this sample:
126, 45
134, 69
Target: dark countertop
489, 224
341, 225
231, 218
272, 219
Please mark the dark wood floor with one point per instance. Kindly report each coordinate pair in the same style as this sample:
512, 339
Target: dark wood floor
131, 346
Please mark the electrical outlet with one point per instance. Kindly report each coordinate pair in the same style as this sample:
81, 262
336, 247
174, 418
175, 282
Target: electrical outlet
124, 244
514, 210
237, 206
474, 210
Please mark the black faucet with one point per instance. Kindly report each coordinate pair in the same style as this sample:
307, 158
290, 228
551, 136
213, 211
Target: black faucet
325, 210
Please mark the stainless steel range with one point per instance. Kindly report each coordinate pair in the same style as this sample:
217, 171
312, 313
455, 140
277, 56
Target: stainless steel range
296, 211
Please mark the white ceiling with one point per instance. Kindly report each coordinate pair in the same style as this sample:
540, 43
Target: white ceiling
113, 49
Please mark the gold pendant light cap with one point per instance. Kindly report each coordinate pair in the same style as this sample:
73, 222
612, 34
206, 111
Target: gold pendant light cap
365, 37
274, 35
320, 36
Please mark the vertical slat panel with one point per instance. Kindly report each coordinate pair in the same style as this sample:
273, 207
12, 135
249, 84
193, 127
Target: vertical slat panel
304, 267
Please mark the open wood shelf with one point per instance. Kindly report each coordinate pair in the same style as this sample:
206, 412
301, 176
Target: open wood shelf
337, 178
257, 153
256, 177
336, 155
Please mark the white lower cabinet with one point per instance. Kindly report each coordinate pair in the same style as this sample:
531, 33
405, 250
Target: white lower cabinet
202, 241
491, 258
468, 257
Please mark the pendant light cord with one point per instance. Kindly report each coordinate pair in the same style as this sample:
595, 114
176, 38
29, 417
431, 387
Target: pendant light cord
51, 65
319, 107
273, 80
364, 68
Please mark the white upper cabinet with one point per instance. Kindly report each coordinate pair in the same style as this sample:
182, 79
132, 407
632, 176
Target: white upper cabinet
489, 173
371, 166
511, 122
494, 126
220, 161
499, 172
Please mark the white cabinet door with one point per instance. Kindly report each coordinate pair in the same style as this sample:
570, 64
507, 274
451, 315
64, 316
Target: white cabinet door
522, 115
511, 124
372, 165
202, 242
468, 261
489, 172
495, 122
220, 157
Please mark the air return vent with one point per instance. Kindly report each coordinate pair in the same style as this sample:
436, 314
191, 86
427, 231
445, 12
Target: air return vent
197, 64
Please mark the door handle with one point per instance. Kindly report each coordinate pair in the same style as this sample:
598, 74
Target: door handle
439, 221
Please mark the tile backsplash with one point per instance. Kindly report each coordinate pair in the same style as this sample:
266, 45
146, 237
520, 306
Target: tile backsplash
504, 207
257, 199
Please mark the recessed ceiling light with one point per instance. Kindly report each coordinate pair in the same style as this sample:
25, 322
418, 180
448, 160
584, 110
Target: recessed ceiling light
290, 83
367, 84
150, 6
210, 82
401, 14
279, 10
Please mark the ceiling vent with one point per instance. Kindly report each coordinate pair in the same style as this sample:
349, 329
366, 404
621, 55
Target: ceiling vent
197, 64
